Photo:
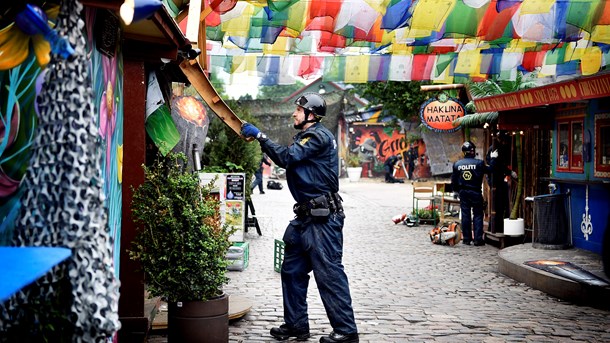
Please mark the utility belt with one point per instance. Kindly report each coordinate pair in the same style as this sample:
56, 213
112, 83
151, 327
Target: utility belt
470, 188
322, 206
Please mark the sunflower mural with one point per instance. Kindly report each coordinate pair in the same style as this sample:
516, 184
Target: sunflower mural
18, 40
24, 54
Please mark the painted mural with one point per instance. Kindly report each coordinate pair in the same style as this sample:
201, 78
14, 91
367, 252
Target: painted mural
375, 143
20, 81
18, 88
107, 83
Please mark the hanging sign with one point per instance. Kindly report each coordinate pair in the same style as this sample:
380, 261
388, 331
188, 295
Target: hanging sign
585, 88
440, 113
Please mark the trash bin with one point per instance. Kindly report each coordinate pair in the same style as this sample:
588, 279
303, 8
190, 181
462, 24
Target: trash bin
552, 223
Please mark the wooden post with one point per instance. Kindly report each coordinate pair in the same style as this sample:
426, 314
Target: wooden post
134, 321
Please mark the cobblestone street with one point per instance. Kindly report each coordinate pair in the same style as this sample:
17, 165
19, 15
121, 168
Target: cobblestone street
405, 289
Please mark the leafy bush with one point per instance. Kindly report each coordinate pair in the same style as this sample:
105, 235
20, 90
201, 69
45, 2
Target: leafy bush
180, 242
353, 161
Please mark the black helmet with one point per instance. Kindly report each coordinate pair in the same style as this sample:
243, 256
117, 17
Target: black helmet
312, 102
468, 148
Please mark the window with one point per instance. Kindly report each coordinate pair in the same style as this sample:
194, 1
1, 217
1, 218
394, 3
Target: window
602, 145
570, 144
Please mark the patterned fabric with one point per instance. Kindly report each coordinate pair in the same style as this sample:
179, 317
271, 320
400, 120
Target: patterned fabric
63, 200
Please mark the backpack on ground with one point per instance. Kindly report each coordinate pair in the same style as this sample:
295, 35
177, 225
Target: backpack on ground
274, 185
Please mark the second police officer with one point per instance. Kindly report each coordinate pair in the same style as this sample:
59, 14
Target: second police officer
467, 180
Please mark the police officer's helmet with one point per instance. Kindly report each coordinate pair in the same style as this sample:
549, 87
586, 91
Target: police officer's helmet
313, 103
469, 149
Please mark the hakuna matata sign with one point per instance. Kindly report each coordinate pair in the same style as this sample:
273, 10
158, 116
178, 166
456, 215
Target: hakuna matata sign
438, 114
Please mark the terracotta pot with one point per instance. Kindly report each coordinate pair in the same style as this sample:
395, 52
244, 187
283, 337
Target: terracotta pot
199, 321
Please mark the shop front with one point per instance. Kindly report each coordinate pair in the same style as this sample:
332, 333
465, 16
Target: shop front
579, 113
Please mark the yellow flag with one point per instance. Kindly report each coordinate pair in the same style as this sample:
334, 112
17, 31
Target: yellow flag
239, 25
244, 63
401, 49
601, 34
379, 6
357, 68
536, 6
469, 62
573, 52
431, 14
520, 44
280, 47
591, 60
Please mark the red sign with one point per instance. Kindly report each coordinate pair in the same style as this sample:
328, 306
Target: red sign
440, 114
567, 91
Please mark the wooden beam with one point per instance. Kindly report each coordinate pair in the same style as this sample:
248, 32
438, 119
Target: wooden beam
426, 88
131, 302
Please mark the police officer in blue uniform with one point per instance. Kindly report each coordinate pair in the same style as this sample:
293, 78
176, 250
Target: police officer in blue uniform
388, 168
314, 238
467, 180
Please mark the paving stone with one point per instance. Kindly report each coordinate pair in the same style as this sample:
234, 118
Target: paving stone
405, 289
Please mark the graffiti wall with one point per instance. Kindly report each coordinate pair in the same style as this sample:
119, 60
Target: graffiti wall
375, 143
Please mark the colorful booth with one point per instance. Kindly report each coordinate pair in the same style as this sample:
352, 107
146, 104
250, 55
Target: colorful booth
579, 111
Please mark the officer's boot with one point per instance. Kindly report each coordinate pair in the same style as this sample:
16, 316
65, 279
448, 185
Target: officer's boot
337, 337
286, 331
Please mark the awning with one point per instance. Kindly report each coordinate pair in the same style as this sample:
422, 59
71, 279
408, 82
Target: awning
579, 89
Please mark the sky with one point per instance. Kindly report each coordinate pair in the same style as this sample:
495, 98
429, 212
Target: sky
240, 85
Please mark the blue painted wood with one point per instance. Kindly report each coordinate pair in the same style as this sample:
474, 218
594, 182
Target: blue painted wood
20, 266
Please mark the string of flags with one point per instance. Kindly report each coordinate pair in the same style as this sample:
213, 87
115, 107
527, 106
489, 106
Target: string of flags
444, 41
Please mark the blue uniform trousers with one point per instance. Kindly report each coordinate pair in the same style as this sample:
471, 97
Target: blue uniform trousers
316, 246
471, 205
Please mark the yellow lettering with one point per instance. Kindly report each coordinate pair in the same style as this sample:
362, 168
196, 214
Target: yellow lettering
553, 94
585, 89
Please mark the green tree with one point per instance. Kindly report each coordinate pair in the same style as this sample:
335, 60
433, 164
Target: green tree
493, 86
228, 152
401, 100
219, 86
278, 91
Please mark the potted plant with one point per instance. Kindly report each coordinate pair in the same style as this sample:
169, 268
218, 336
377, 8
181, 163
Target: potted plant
354, 169
181, 246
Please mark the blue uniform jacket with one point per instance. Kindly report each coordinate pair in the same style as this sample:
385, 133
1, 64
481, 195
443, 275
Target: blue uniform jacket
468, 174
311, 162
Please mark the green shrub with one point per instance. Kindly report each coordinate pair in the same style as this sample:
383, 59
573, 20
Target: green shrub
423, 213
180, 243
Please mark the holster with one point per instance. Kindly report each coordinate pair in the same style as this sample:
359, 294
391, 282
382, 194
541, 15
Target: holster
319, 207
